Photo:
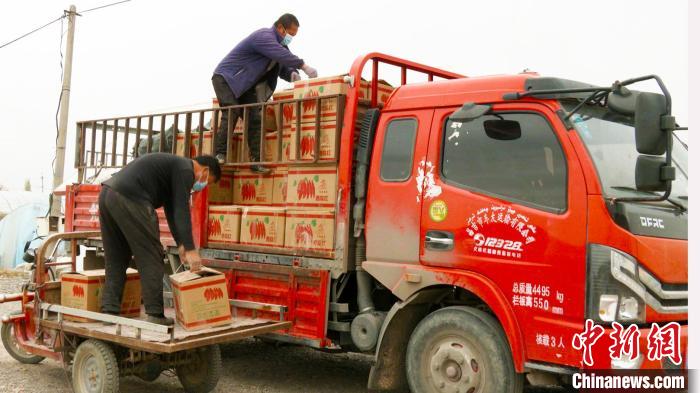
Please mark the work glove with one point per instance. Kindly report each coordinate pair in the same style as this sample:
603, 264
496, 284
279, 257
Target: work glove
295, 76
309, 71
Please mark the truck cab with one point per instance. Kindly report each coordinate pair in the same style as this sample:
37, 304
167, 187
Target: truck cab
531, 209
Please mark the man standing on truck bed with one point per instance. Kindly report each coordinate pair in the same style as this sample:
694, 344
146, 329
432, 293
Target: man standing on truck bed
129, 223
248, 75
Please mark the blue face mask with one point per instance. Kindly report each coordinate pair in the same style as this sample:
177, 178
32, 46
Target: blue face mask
287, 39
199, 185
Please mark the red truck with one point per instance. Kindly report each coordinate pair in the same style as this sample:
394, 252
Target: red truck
478, 223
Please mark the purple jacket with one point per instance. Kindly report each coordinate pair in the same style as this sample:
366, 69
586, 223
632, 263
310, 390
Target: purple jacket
247, 62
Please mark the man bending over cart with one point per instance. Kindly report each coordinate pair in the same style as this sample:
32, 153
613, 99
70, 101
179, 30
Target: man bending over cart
129, 223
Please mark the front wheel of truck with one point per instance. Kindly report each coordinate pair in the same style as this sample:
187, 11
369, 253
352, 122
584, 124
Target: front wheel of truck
462, 350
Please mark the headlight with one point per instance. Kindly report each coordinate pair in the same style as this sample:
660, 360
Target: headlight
625, 362
613, 290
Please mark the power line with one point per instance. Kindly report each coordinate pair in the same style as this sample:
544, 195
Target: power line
103, 6
34, 31
59, 18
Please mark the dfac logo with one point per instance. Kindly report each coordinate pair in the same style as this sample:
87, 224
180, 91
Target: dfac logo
651, 222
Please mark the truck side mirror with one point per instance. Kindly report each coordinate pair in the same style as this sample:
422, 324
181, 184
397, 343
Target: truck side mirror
649, 134
469, 111
647, 173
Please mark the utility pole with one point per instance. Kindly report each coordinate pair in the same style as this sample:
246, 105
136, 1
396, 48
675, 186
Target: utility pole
63, 122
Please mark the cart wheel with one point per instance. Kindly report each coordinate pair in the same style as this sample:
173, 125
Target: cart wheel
9, 341
201, 374
95, 368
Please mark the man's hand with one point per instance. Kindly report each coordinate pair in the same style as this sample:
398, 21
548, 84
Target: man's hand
181, 253
295, 76
309, 71
193, 260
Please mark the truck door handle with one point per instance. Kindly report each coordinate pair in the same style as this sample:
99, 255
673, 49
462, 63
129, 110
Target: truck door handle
439, 240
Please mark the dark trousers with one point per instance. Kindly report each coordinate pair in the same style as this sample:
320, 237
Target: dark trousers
227, 98
130, 229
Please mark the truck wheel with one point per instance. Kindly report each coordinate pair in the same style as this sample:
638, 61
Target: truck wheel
9, 341
202, 373
461, 350
95, 368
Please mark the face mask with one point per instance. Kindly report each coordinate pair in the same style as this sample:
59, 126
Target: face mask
287, 39
200, 185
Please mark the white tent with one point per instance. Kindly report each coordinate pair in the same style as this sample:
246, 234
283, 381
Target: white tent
18, 223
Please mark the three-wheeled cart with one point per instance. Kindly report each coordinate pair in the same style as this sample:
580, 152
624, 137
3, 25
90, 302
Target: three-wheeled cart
107, 347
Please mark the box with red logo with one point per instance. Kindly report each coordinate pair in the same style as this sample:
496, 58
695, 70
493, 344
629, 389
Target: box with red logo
288, 110
279, 186
224, 224
201, 299
250, 188
272, 144
221, 192
83, 290
270, 120
309, 229
312, 186
194, 144
320, 87
307, 139
263, 226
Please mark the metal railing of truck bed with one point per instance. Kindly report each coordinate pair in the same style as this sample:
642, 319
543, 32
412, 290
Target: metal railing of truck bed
114, 142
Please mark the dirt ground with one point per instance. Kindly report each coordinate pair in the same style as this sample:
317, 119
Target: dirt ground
249, 366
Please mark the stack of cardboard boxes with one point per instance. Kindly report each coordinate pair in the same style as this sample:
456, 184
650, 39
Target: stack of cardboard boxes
293, 206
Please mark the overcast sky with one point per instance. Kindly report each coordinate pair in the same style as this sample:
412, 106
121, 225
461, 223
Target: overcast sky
145, 56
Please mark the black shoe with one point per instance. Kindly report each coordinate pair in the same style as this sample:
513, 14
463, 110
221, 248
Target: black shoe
221, 158
160, 320
260, 169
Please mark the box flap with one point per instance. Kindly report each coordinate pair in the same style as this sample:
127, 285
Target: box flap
187, 275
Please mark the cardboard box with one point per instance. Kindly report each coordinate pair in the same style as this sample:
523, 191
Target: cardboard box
250, 188
224, 224
310, 229
194, 144
201, 299
384, 90
328, 142
271, 143
263, 226
319, 87
312, 186
279, 186
221, 193
83, 290
288, 110
270, 119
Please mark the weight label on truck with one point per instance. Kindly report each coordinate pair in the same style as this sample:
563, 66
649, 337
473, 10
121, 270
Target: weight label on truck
501, 232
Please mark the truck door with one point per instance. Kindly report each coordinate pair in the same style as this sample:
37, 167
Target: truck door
504, 197
393, 207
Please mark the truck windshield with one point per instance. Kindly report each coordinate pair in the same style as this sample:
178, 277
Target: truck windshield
609, 138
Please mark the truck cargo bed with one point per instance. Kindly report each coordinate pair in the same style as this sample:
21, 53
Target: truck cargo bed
166, 342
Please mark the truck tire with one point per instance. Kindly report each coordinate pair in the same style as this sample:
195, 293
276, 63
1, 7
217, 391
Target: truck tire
201, 374
95, 368
9, 341
460, 349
